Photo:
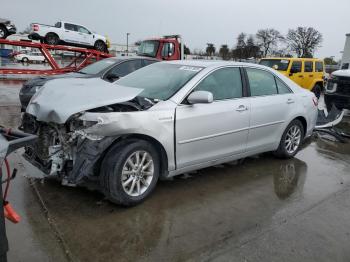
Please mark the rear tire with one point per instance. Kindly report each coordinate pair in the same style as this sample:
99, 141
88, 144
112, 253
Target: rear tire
291, 140
130, 184
317, 90
3, 32
100, 46
25, 60
52, 39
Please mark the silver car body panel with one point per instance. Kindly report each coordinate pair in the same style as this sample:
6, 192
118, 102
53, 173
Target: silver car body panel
193, 136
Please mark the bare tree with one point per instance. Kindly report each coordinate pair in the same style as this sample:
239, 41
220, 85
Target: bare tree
268, 39
224, 52
304, 40
210, 50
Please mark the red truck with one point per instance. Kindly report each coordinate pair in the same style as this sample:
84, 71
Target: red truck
169, 47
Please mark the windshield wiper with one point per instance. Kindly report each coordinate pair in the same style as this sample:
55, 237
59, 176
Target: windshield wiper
145, 54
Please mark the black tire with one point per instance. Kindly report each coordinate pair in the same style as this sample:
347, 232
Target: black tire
52, 39
100, 46
25, 60
3, 32
111, 172
282, 151
317, 90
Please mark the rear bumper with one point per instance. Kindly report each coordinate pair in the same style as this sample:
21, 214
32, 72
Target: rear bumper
341, 101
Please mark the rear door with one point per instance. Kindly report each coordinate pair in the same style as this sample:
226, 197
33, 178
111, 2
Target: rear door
271, 103
71, 33
206, 132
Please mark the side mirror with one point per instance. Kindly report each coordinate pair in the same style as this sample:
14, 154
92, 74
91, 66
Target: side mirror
200, 97
112, 77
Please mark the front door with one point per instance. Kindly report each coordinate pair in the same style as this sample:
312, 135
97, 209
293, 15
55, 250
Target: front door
296, 73
206, 132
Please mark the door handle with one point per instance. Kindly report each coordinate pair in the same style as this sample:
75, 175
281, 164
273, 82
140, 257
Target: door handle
66, 31
311, 75
241, 108
301, 76
290, 101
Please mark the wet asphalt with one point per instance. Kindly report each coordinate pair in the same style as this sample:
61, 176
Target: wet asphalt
259, 209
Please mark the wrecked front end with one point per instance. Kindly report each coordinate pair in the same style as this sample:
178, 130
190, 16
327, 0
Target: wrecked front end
72, 151
55, 114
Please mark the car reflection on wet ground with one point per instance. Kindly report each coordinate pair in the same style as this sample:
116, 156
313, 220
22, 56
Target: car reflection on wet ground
259, 209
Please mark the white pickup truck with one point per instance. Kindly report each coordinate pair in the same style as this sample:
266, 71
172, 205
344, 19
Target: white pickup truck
69, 34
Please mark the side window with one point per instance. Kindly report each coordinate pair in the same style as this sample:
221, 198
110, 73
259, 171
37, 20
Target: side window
168, 49
319, 67
296, 67
308, 66
83, 30
126, 68
70, 27
345, 66
261, 83
282, 87
224, 83
147, 62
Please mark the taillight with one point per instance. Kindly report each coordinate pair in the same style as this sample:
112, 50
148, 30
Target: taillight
315, 100
35, 27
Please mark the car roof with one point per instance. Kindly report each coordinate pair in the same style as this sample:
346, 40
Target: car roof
292, 58
211, 63
124, 58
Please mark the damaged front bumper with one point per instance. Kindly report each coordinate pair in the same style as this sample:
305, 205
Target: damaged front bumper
73, 161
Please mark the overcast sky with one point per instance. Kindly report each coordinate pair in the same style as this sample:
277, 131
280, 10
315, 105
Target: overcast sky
199, 21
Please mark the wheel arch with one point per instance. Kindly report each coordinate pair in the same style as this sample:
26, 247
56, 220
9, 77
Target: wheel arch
303, 122
52, 33
158, 146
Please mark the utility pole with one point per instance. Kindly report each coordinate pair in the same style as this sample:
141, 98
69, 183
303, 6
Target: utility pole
127, 44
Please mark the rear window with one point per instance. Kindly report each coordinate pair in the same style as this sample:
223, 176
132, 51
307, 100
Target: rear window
278, 64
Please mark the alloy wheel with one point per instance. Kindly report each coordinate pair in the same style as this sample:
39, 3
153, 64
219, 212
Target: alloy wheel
293, 138
137, 173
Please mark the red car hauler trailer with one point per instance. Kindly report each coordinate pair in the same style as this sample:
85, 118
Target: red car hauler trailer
82, 58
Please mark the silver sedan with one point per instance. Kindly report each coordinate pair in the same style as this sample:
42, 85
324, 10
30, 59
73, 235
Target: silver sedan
163, 120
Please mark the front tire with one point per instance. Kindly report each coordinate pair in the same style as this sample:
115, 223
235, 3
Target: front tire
130, 172
291, 140
100, 46
25, 60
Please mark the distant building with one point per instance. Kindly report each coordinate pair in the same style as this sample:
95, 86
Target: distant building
121, 50
345, 61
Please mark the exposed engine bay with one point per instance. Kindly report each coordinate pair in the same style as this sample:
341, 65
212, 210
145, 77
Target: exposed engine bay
66, 150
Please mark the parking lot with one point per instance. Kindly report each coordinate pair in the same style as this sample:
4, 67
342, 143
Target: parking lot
259, 209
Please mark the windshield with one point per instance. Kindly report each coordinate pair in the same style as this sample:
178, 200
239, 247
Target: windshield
98, 66
160, 81
148, 48
278, 64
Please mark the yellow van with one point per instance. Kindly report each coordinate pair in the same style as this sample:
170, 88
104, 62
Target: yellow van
306, 72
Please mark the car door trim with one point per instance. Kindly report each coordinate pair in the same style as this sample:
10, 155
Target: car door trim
212, 136
268, 124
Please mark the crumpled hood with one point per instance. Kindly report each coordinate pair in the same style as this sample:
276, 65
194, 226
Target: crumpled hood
59, 99
41, 80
